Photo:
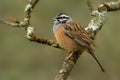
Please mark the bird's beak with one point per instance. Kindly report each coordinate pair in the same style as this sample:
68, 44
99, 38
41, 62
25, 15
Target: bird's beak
54, 19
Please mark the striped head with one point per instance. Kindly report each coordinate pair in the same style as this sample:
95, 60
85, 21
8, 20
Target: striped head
61, 19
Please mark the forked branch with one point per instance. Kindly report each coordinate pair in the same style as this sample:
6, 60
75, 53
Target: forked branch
93, 27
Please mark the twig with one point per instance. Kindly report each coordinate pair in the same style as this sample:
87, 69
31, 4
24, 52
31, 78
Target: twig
28, 9
8, 23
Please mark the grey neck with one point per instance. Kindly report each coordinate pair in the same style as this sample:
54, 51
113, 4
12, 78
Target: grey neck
56, 26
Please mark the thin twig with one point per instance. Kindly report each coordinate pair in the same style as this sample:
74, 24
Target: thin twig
28, 9
8, 23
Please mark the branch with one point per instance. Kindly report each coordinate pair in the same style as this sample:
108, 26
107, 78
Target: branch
110, 6
31, 36
28, 28
93, 27
67, 66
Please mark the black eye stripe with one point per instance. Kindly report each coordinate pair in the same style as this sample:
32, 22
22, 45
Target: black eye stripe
60, 18
63, 17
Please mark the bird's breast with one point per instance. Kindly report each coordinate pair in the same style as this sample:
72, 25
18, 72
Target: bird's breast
65, 41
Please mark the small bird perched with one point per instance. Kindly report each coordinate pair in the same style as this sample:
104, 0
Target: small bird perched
72, 36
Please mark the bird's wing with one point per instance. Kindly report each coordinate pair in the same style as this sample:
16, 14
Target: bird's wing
76, 32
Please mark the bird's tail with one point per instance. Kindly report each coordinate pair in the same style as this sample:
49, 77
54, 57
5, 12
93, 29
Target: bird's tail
91, 51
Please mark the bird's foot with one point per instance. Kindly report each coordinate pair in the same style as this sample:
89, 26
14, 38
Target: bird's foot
70, 55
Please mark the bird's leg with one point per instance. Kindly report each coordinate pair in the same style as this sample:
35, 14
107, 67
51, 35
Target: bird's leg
70, 55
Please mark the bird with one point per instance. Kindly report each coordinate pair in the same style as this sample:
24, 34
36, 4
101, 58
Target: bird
73, 37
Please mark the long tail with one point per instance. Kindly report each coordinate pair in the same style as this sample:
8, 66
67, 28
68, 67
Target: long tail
91, 51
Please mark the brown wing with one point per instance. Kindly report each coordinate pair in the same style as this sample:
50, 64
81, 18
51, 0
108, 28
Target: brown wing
76, 32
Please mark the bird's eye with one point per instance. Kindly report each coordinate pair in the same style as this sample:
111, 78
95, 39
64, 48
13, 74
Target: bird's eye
63, 17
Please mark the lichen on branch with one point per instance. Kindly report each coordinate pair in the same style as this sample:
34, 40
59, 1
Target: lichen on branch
93, 27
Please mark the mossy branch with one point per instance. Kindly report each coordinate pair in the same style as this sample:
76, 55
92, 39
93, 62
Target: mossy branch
94, 26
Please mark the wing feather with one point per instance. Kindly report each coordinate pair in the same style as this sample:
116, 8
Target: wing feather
76, 32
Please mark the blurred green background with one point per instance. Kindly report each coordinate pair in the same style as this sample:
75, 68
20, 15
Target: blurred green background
21, 59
